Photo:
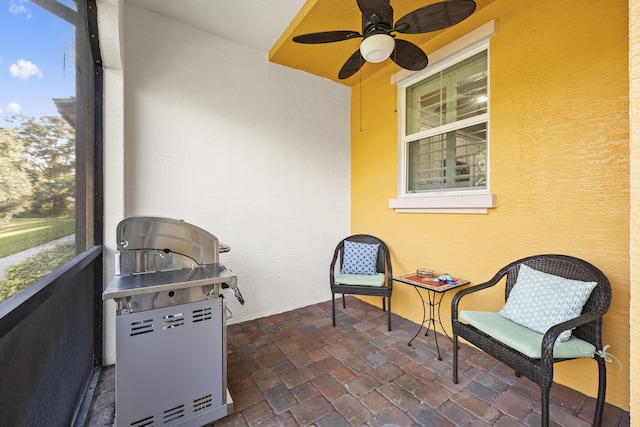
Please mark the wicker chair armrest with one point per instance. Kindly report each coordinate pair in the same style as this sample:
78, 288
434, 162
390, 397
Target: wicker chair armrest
475, 288
332, 267
552, 334
388, 269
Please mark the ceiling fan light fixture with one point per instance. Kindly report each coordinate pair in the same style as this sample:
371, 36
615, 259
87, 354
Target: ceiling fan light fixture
377, 48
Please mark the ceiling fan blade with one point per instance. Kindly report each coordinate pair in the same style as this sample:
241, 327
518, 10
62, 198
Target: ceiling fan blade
380, 8
409, 56
353, 64
326, 37
435, 16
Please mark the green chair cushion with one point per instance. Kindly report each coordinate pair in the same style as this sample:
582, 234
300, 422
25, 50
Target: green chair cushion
523, 339
360, 279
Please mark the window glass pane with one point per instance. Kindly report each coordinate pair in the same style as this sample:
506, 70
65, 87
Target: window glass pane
426, 104
456, 93
37, 143
452, 160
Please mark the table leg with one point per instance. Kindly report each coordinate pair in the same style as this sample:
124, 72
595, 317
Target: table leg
436, 303
434, 300
424, 317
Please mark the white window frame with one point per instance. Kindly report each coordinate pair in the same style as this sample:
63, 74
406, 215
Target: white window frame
474, 201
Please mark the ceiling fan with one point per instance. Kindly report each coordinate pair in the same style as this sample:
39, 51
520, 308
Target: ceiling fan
378, 41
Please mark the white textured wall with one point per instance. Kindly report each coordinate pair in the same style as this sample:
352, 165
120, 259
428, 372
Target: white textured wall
111, 31
256, 153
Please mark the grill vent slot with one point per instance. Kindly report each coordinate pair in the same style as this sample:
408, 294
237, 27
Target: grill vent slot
202, 403
141, 327
202, 314
172, 320
173, 414
144, 422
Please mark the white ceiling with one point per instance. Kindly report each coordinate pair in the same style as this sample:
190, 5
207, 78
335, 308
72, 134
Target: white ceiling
270, 25
256, 23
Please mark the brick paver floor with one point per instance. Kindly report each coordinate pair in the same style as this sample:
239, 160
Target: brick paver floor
295, 369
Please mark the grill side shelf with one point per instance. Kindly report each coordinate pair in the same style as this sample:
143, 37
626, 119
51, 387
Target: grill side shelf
160, 281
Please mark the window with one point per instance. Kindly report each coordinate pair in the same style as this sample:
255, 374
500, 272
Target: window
446, 128
46, 140
444, 124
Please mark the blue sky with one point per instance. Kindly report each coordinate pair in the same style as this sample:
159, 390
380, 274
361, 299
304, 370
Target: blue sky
36, 59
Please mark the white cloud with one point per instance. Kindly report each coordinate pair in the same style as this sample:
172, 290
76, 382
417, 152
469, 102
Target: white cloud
13, 108
25, 69
17, 7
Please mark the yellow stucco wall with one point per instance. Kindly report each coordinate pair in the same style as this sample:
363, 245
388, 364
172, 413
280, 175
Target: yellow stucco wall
559, 164
634, 102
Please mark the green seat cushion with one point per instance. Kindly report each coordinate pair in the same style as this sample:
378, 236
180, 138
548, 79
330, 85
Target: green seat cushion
360, 279
523, 339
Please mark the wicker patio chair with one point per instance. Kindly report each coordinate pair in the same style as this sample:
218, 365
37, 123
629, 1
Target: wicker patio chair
588, 327
378, 284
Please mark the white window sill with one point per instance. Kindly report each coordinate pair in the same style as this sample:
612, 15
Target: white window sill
449, 204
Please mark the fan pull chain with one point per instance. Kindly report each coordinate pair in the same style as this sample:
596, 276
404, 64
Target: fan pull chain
395, 85
395, 98
360, 94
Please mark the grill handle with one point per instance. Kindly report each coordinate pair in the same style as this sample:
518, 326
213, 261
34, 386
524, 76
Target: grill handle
236, 290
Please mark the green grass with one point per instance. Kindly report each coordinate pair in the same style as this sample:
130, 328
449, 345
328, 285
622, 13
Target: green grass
24, 233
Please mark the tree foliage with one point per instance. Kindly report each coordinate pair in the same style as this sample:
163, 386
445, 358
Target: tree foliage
15, 184
49, 143
21, 276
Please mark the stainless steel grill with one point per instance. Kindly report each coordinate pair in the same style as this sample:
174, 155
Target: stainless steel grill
170, 324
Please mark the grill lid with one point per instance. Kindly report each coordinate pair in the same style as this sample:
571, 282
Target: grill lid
168, 235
